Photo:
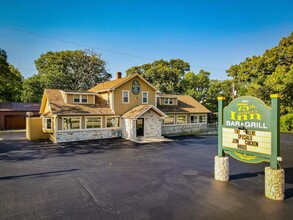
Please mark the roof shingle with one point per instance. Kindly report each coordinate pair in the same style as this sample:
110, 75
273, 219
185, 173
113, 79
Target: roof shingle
58, 105
186, 104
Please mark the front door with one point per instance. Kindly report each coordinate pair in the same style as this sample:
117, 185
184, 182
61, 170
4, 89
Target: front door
139, 127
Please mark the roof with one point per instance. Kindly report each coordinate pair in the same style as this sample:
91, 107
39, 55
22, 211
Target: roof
77, 92
140, 110
186, 104
113, 84
58, 105
19, 106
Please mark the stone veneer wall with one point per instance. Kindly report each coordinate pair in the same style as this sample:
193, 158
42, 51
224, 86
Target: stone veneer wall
152, 124
186, 129
128, 129
81, 135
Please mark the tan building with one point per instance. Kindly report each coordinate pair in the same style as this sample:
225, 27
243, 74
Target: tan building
127, 107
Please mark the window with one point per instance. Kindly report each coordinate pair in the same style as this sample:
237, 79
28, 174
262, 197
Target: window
80, 98
202, 118
71, 123
145, 98
169, 120
76, 98
181, 119
113, 122
84, 98
193, 119
48, 125
93, 122
125, 96
168, 101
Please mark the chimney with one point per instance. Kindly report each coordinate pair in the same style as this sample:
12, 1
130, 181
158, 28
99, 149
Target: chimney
118, 75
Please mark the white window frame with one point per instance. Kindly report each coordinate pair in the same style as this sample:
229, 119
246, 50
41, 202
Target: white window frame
85, 122
196, 119
127, 91
174, 119
46, 124
80, 123
74, 98
80, 98
168, 101
87, 99
181, 123
147, 97
112, 117
203, 115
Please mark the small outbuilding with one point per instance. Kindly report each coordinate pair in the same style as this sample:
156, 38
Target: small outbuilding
13, 114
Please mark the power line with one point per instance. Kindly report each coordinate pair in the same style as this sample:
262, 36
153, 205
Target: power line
92, 47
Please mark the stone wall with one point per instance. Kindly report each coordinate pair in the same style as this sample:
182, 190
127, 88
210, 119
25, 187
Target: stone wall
188, 129
152, 124
86, 134
129, 129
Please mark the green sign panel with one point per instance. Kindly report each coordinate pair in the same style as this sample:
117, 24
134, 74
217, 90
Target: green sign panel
249, 130
135, 87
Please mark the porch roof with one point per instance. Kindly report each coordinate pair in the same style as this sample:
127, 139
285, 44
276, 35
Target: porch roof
139, 110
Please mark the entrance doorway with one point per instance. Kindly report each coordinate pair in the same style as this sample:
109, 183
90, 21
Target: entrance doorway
139, 127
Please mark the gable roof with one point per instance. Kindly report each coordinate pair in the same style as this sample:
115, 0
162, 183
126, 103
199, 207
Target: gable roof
59, 106
113, 84
139, 110
19, 106
186, 104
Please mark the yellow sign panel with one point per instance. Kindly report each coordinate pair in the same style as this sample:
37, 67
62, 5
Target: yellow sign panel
247, 140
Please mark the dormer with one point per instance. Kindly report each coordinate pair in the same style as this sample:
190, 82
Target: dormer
78, 97
167, 100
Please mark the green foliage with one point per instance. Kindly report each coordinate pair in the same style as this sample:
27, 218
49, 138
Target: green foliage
286, 123
11, 80
71, 70
196, 85
270, 73
164, 75
32, 89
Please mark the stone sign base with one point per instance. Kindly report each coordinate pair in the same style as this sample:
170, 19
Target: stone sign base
222, 168
274, 183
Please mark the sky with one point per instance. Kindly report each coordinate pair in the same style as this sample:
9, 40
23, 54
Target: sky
210, 35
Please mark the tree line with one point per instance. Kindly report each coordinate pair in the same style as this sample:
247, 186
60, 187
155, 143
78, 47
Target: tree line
257, 76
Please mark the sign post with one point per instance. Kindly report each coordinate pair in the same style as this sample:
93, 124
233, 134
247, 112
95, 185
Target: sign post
249, 131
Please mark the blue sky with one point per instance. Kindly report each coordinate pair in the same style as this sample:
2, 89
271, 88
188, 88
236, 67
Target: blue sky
210, 35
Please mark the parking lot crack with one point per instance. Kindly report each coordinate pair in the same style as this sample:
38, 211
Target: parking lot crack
83, 185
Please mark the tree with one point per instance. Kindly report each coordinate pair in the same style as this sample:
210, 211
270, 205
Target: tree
11, 80
196, 85
32, 89
270, 73
164, 75
218, 88
71, 70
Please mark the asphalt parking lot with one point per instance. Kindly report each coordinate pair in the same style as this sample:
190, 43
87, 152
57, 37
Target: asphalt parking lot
119, 179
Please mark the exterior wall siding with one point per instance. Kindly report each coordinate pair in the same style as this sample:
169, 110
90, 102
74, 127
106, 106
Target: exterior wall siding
134, 100
81, 135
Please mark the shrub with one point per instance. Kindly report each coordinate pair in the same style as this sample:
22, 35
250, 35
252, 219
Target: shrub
286, 123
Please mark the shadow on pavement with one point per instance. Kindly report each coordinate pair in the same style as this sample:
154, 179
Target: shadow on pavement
37, 174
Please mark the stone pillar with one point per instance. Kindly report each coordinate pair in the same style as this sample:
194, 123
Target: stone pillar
222, 168
274, 183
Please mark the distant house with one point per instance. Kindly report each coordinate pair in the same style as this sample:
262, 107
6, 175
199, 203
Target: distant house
13, 114
127, 107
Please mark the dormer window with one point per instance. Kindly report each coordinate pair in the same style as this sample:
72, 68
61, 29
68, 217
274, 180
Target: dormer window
80, 98
76, 98
84, 98
168, 101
